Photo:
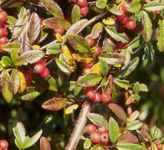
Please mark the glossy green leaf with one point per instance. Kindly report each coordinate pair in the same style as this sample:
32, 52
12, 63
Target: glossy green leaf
6, 61
131, 67
135, 6
101, 4
71, 109
120, 37
122, 83
63, 67
32, 140
75, 14
160, 37
52, 84
89, 79
114, 130
155, 133
30, 96
29, 57
52, 7
134, 125
140, 87
98, 120
154, 6
15, 81
147, 26
87, 143
7, 92
78, 43
96, 30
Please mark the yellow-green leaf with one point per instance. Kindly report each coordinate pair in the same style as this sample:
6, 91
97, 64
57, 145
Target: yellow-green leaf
161, 36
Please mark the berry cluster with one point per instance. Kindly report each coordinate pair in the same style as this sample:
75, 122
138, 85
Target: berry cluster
3, 27
129, 24
91, 42
41, 68
83, 4
3, 145
96, 96
98, 135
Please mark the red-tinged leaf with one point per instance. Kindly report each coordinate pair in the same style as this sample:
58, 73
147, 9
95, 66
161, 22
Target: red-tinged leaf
78, 43
20, 22
128, 137
96, 30
118, 111
56, 104
44, 144
34, 27
52, 7
77, 27
15, 81
56, 22
29, 57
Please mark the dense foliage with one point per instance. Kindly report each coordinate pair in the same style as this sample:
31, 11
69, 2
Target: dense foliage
81, 74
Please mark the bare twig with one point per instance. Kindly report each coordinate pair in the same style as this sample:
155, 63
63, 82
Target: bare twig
78, 129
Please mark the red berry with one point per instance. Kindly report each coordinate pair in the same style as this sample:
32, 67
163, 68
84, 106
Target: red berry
41, 61
120, 18
3, 32
98, 50
106, 98
124, 8
130, 25
102, 130
38, 68
82, 3
3, 40
59, 30
90, 128
95, 138
3, 145
90, 93
84, 11
45, 73
90, 41
125, 20
3, 17
159, 145
104, 138
97, 97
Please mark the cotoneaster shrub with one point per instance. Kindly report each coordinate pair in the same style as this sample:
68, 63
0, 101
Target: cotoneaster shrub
73, 73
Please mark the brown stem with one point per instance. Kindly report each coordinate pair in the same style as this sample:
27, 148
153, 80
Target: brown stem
79, 126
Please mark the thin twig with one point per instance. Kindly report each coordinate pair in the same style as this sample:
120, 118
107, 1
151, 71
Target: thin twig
78, 129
